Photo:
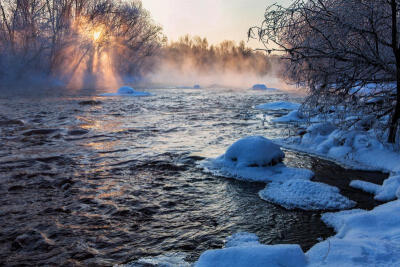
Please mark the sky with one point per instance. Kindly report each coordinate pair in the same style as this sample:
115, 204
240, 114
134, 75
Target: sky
217, 20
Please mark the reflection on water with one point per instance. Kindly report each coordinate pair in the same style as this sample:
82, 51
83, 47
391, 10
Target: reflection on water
112, 180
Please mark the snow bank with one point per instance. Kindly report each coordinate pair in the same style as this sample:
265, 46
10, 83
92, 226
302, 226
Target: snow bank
356, 148
281, 105
255, 159
390, 190
247, 251
127, 91
293, 116
364, 238
305, 195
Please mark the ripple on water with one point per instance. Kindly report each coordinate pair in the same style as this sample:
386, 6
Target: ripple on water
87, 182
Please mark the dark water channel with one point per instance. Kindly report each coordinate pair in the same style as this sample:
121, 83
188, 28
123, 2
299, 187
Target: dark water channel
102, 181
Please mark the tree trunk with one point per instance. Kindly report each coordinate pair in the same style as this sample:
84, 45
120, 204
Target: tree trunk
394, 123
396, 51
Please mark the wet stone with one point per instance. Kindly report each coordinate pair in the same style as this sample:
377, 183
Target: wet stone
90, 103
40, 132
78, 132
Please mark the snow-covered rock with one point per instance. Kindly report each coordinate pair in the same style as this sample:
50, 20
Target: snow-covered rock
281, 105
305, 195
127, 91
254, 158
259, 87
254, 151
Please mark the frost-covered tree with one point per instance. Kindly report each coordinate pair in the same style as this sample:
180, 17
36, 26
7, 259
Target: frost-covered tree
60, 37
345, 51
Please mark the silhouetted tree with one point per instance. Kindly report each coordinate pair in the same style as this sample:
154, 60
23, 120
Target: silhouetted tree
339, 49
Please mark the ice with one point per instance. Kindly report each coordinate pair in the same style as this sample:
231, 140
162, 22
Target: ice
254, 158
293, 116
127, 91
281, 105
388, 191
306, 195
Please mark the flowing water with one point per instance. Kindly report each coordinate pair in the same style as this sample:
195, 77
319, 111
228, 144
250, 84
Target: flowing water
103, 181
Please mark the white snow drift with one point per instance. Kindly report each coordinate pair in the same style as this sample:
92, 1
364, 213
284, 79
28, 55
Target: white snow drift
305, 195
127, 91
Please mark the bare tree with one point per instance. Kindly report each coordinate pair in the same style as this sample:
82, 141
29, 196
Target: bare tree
338, 49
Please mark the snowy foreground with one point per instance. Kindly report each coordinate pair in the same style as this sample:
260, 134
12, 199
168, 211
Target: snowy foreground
364, 238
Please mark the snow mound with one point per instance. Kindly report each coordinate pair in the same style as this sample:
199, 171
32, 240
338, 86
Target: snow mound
259, 87
127, 91
305, 195
364, 238
255, 151
281, 105
293, 116
254, 255
256, 159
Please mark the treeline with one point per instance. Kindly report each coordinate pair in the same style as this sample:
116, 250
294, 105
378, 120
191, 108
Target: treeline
65, 38
197, 54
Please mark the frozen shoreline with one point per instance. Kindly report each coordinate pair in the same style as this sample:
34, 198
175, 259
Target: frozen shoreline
363, 238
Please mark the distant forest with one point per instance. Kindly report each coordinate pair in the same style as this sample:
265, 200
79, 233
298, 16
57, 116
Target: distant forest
198, 54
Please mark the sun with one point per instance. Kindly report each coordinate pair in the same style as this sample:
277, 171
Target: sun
96, 35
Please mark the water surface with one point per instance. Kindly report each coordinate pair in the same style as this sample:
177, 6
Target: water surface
110, 180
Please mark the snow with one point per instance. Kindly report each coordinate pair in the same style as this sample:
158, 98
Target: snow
305, 195
259, 87
364, 238
254, 150
356, 148
127, 91
254, 159
365, 186
243, 250
293, 116
390, 190
280, 105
